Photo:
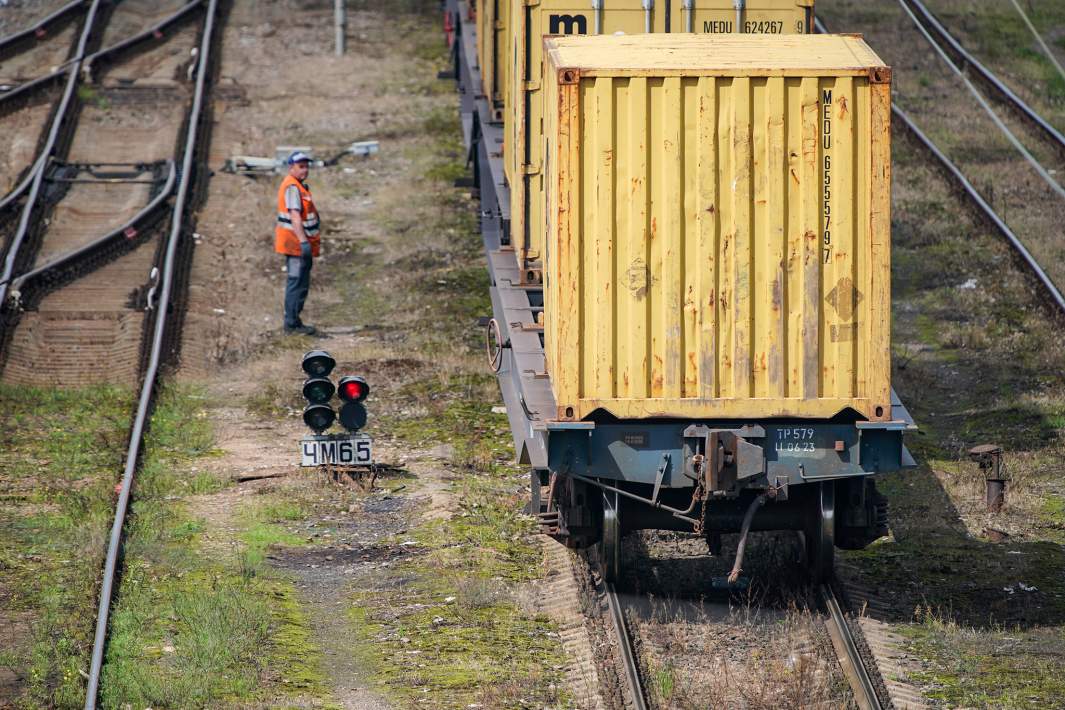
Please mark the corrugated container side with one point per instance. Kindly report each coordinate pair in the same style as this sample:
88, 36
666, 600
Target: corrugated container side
493, 36
718, 246
523, 111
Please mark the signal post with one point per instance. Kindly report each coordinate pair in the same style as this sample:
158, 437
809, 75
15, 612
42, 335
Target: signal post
336, 455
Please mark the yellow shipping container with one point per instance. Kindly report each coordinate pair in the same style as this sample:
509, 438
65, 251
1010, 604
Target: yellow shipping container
718, 226
493, 32
529, 22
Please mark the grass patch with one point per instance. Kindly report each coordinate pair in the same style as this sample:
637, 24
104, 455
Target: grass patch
453, 634
61, 452
445, 627
193, 625
967, 668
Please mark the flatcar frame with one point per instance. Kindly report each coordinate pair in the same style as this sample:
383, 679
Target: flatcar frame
594, 481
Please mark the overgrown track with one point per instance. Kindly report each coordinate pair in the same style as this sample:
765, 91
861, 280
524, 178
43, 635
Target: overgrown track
995, 86
162, 332
861, 678
66, 251
973, 198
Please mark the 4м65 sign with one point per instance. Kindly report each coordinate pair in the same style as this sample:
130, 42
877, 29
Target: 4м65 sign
336, 450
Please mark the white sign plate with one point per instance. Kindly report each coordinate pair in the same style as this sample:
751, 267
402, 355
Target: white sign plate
342, 450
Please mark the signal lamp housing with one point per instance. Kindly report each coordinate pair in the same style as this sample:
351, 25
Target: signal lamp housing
319, 417
352, 416
318, 363
318, 390
353, 389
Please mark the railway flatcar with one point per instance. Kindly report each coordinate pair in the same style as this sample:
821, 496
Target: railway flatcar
708, 350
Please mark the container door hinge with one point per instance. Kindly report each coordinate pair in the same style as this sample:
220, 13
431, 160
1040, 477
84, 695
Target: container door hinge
530, 169
531, 85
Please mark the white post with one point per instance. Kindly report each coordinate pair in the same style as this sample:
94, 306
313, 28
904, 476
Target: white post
340, 19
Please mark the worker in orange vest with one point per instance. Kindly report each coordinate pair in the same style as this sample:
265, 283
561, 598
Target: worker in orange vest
296, 236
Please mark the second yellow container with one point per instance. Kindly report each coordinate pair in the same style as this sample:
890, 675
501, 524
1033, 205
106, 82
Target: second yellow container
530, 22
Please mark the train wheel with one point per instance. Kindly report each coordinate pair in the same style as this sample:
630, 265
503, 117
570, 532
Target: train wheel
610, 546
820, 532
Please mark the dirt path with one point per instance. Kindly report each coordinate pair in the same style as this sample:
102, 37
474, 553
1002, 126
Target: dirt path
395, 296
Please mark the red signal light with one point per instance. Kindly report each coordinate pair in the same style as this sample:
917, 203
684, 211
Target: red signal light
353, 389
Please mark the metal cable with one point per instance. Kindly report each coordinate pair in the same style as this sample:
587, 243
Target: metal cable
152, 371
1039, 39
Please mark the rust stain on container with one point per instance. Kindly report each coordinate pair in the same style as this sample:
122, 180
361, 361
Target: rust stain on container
773, 300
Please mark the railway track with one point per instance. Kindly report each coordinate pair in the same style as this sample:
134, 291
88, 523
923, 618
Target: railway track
977, 202
35, 45
27, 104
93, 274
856, 661
161, 334
82, 266
997, 88
626, 656
927, 25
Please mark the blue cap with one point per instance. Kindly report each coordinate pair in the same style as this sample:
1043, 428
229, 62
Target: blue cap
298, 157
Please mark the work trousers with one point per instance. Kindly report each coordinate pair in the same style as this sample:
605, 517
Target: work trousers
296, 286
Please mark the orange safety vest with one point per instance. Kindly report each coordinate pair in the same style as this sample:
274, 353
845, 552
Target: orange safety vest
285, 240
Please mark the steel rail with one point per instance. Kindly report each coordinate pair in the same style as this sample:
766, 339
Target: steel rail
984, 208
628, 656
17, 191
1005, 93
70, 257
155, 357
985, 105
33, 29
163, 24
976, 199
53, 134
149, 33
850, 658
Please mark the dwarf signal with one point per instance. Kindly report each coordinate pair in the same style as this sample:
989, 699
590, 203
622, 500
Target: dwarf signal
318, 390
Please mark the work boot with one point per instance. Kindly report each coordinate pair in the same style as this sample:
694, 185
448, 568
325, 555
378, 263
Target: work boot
301, 329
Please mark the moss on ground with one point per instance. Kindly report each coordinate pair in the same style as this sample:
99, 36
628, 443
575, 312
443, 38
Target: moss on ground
194, 625
452, 633
998, 669
445, 627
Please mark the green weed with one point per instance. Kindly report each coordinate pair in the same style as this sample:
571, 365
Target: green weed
60, 456
194, 627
